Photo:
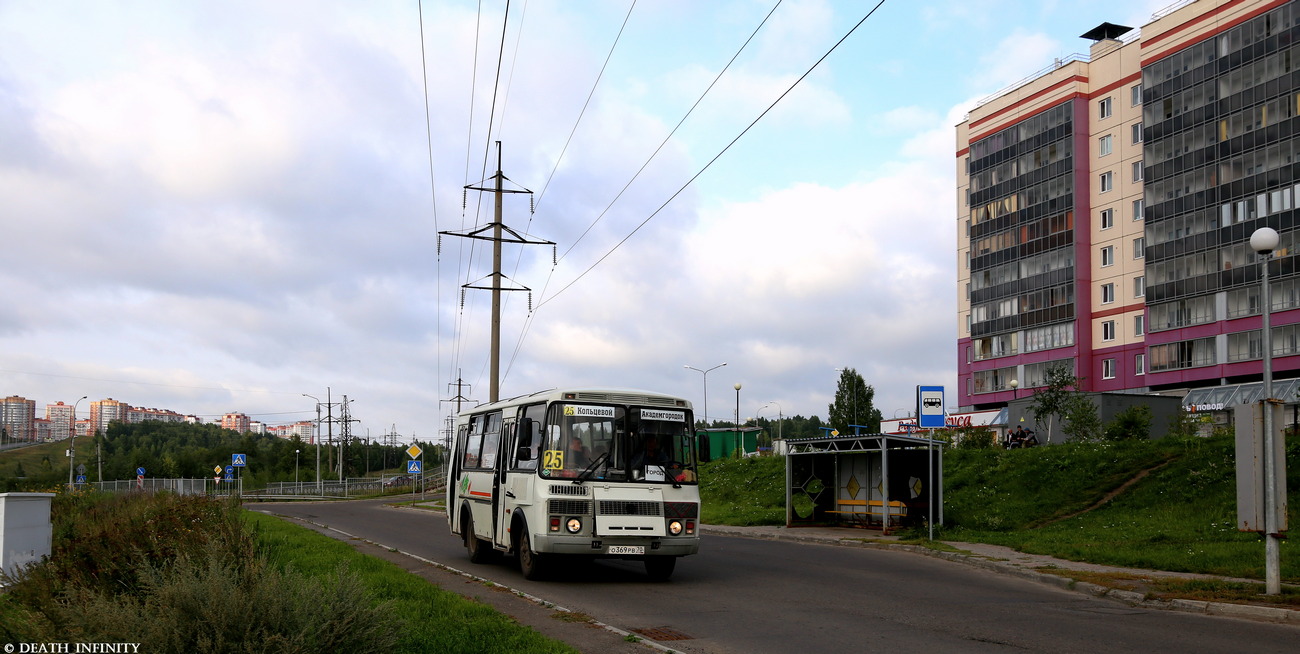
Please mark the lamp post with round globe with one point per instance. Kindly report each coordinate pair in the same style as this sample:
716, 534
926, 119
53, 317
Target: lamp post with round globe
740, 440
1264, 240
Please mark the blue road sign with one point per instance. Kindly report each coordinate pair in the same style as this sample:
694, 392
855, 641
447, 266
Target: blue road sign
140, 471
238, 460
413, 467
230, 477
230, 470
81, 479
929, 407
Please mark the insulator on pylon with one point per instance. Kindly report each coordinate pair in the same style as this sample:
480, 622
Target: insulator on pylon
462, 298
530, 301
440, 245
555, 261
532, 208
464, 198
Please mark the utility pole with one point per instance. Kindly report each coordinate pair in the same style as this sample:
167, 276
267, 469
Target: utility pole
498, 236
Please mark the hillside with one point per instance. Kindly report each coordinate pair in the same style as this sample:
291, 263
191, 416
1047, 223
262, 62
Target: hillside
1167, 505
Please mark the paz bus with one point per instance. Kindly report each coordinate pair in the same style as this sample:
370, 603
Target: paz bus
576, 473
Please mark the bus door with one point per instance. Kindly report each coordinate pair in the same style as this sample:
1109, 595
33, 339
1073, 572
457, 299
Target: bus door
501, 495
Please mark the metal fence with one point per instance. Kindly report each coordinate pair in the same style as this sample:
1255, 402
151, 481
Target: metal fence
331, 488
204, 486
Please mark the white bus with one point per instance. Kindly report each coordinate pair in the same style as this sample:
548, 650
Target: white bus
579, 472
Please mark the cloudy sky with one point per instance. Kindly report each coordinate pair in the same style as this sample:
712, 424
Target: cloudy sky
221, 206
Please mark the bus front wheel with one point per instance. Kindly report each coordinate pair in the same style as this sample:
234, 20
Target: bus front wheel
480, 551
660, 568
530, 562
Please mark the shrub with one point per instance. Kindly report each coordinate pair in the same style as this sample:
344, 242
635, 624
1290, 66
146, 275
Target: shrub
1133, 423
209, 604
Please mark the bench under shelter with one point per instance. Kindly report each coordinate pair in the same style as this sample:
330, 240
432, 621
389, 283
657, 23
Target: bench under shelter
878, 481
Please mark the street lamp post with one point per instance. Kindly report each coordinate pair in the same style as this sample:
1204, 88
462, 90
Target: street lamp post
1264, 241
1013, 384
706, 388
740, 440
72, 444
295, 471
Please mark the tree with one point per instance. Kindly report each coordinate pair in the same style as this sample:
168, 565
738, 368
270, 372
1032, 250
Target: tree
853, 405
1080, 420
1053, 400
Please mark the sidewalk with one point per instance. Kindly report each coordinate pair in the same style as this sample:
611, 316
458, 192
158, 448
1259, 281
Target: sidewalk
1005, 560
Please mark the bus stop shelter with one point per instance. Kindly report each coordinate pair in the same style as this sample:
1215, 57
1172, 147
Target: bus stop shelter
868, 480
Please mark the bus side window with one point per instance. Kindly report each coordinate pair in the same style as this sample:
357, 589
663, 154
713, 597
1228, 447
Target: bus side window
473, 442
491, 440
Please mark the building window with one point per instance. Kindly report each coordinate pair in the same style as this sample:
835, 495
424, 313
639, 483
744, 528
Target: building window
1140, 286
1140, 247
1140, 364
1107, 181
1104, 146
1137, 171
1138, 205
1107, 293
1183, 354
1137, 132
1139, 325
1104, 108
1135, 95
1107, 368
1108, 256
1108, 330
1107, 218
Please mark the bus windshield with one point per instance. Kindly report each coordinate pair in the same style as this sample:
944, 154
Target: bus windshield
625, 444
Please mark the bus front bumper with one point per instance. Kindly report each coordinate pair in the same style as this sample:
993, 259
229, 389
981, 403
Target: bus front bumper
618, 546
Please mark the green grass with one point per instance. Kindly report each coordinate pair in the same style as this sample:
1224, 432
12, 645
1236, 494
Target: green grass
749, 491
435, 620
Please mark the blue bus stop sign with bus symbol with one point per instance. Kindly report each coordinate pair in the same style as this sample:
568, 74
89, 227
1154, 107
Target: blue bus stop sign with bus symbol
929, 407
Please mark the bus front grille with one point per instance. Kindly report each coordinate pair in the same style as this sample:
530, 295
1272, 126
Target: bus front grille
568, 489
569, 507
630, 507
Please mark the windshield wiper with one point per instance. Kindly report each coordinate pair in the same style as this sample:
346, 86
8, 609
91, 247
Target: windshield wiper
591, 468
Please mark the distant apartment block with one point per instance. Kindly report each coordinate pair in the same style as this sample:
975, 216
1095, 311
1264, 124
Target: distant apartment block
105, 411
18, 418
1105, 208
303, 430
236, 422
60, 419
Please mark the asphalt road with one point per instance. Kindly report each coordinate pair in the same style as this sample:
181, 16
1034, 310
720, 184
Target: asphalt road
747, 595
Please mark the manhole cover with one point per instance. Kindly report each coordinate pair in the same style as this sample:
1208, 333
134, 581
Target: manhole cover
661, 633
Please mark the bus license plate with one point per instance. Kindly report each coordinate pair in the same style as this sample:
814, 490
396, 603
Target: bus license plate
626, 549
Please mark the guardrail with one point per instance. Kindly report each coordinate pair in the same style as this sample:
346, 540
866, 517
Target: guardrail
324, 489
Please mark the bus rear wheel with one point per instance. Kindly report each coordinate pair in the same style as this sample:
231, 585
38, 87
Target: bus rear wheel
531, 563
660, 568
480, 551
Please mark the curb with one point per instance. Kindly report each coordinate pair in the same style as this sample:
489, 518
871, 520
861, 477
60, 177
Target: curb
1131, 598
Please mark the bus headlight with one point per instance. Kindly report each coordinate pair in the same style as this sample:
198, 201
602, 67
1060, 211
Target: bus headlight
574, 525
675, 527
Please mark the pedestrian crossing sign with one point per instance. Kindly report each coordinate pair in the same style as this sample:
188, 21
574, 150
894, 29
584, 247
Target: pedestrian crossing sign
413, 467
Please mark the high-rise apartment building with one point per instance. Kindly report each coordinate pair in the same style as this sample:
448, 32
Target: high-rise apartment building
1105, 208
236, 422
103, 412
18, 418
60, 417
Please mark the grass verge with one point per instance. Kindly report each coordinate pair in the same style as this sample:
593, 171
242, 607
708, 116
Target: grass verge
434, 620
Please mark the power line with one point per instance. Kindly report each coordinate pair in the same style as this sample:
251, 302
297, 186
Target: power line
528, 323
715, 157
